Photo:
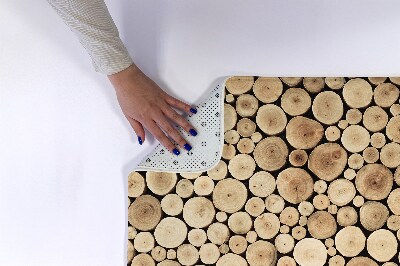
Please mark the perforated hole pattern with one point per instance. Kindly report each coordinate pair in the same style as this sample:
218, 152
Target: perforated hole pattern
206, 146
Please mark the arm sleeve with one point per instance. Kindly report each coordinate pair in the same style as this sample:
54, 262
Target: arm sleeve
91, 21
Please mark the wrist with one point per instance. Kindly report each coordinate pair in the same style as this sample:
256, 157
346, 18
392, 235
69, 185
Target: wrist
119, 79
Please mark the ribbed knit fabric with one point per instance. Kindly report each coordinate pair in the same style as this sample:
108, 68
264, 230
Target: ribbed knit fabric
91, 21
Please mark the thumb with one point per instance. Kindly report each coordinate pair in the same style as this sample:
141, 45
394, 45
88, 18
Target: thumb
138, 128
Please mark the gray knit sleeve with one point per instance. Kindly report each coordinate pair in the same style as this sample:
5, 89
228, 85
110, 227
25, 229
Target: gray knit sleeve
91, 21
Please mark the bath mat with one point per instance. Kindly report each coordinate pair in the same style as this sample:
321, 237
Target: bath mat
308, 175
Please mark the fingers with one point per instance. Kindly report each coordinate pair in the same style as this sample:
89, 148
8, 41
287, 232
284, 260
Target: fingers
161, 137
179, 104
138, 128
171, 131
178, 119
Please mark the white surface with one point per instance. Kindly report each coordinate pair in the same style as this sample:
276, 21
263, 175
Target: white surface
65, 147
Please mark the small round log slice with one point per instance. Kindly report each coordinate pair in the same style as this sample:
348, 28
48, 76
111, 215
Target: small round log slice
262, 184
143, 259
286, 261
267, 225
144, 242
298, 157
393, 129
292, 81
229, 195
327, 107
187, 254
386, 94
378, 140
390, 155
395, 80
357, 93
209, 253
170, 232
246, 127
295, 101
238, 244
284, 243
271, 119
332, 133
144, 213
219, 171
240, 222
375, 118
321, 225
218, 233
267, 90
347, 216
310, 252
136, 184
261, 252
313, 84
354, 116
230, 259
361, 261
271, 153
335, 83
198, 212
295, 185
230, 117
304, 133
327, 161
373, 215
160, 183
382, 245
350, 241
239, 84
274, 203
393, 201
377, 80
355, 138
242, 166
246, 105
374, 181
370, 154
197, 237
172, 204
341, 191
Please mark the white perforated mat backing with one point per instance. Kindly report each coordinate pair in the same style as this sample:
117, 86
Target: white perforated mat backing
206, 146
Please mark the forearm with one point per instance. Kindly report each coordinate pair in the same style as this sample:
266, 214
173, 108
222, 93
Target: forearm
91, 21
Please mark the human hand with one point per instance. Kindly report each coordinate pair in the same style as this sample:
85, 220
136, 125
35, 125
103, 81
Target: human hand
144, 103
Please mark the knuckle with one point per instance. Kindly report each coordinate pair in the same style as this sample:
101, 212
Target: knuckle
181, 141
169, 130
175, 115
168, 144
174, 100
187, 126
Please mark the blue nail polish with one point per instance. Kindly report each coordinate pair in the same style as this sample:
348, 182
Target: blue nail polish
176, 151
193, 132
140, 140
187, 147
194, 111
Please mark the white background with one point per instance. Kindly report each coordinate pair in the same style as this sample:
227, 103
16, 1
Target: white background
65, 147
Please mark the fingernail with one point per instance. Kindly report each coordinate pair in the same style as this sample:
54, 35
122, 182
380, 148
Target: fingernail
193, 132
140, 140
187, 147
176, 151
193, 110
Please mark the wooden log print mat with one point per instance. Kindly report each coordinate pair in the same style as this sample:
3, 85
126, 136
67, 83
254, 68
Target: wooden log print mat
309, 175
